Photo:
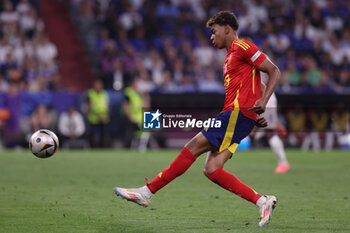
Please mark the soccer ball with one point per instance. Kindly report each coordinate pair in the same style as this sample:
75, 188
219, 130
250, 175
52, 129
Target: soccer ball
43, 143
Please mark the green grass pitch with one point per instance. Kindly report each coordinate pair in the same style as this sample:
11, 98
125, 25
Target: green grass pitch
73, 192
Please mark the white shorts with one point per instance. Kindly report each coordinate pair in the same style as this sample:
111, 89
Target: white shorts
271, 117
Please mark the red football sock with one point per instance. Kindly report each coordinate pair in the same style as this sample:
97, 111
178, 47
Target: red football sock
182, 162
233, 184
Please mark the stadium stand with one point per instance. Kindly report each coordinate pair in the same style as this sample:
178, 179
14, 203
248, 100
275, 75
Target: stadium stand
51, 51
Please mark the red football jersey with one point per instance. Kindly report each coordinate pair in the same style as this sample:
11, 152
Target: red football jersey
242, 79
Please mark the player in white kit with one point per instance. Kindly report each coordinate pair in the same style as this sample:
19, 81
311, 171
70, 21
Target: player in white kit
274, 140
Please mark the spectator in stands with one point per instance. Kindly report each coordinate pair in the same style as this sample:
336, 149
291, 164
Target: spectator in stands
47, 71
343, 81
5, 48
98, 115
309, 28
23, 7
28, 22
10, 68
168, 85
4, 86
108, 59
326, 85
210, 84
145, 84
187, 85
4, 115
102, 39
156, 66
8, 16
13, 102
313, 73
130, 19
294, 76
87, 22
204, 53
71, 126
41, 118
55, 83
23, 51
46, 51
118, 75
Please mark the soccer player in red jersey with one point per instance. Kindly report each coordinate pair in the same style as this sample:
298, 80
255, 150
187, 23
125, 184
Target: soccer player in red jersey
243, 103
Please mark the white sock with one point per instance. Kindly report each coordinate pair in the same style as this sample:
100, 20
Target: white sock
277, 147
260, 201
145, 191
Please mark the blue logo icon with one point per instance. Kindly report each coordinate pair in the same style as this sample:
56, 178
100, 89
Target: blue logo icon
151, 120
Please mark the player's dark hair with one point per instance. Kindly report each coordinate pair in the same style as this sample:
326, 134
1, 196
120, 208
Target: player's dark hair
224, 18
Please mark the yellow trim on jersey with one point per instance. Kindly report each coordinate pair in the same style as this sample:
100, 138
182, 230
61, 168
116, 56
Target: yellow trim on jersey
253, 81
231, 126
240, 46
244, 43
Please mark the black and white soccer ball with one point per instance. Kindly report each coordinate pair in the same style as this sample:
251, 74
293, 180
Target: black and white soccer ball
43, 143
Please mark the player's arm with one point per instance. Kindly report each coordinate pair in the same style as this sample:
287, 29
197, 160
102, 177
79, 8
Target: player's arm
261, 122
263, 88
274, 75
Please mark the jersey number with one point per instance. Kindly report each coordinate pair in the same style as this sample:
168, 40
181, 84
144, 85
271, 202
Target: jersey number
227, 80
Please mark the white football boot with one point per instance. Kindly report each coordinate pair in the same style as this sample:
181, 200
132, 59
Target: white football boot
141, 196
266, 210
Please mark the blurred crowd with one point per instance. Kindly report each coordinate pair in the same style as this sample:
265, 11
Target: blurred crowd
166, 46
141, 47
27, 57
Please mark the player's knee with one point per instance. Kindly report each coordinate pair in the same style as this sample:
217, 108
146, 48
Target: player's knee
208, 170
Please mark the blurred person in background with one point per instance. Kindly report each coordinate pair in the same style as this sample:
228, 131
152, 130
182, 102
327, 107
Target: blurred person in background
98, 115
296, 119
319, 120
46, 51
132, 108
42, 118
4, 115
273, 138
338, 127
10, 68
210, 84
8, 16
13, 102
71, 126
4, 85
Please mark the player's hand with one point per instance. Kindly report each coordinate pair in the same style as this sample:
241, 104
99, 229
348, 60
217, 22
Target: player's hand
261, 122
259, 107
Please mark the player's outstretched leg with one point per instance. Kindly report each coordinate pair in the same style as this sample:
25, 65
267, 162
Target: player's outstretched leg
143, 195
